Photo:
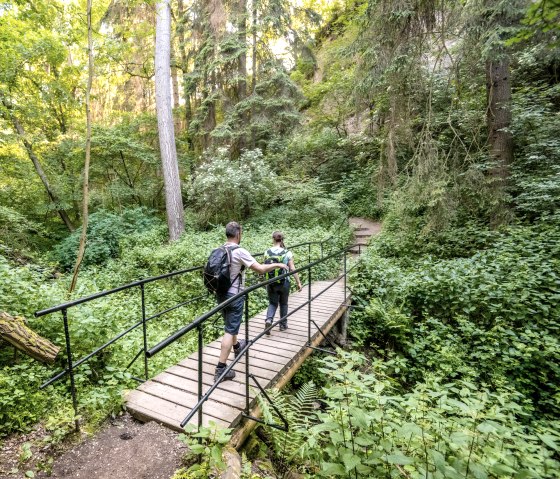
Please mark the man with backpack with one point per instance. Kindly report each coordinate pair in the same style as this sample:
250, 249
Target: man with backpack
224, 274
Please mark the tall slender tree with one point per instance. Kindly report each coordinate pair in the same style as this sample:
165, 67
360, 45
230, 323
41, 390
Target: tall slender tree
166, 130
85, 197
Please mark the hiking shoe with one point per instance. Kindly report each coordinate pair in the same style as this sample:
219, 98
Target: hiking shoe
267, 325
219, 371
242, 343
283, 327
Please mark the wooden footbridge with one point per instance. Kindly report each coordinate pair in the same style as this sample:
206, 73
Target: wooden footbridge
186, 392
171, 395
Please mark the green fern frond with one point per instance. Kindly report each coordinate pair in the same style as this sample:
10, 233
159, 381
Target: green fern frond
302, 404
297, 410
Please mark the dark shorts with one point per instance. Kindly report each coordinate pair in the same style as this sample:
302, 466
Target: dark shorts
233, 314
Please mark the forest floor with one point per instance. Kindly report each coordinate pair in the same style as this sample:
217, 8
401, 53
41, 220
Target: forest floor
122, 447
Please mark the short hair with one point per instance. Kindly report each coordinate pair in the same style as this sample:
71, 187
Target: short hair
232, 229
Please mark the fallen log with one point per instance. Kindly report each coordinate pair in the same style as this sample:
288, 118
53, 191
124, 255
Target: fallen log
18, 334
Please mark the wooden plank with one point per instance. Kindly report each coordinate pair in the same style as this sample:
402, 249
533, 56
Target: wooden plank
289, 336
232, 386
213, 408
257, 354
235, 399
258, 367
143, 405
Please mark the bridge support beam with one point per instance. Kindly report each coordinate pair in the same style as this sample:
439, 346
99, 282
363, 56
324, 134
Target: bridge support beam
241, 433
341, 330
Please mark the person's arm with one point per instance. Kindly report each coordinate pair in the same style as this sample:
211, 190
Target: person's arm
293, 268
265, 268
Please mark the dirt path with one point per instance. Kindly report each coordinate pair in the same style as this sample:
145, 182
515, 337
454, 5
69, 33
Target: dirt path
365, 226
123, 448
364, 229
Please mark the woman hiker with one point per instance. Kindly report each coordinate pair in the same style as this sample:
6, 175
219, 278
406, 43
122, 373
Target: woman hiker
279, 291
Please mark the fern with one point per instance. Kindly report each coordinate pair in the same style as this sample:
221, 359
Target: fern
298, 410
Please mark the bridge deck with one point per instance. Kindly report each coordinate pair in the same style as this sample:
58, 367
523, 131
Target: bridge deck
169, 396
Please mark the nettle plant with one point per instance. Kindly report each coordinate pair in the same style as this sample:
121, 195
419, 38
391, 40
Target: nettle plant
369, 428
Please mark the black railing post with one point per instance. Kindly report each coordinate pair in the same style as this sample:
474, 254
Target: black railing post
144, 330
309, 253
247, 354
70, 367
345, 272
200, 347
309, 306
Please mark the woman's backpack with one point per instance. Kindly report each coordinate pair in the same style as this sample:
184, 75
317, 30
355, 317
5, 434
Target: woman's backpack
216, 272
272, 257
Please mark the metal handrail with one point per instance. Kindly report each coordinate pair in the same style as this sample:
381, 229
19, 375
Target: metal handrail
101, 294
64, 307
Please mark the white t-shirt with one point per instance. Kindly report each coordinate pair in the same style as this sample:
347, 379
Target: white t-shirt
239, 257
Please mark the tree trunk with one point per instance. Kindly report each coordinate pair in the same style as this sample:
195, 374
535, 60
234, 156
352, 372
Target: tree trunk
498, 116
210, 118
392, 168
242, 60
254, 79
242, 64
15, 331
85, 197
185, 64
38, 168
173, 199
175, 82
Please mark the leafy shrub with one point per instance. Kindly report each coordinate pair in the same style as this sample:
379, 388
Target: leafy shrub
21, 403
492, 318
537, 160
223, 189
325, 155
17, 233
371, 428
302, 204
359, 193
105, 230
298, 411
207, 444
454, 242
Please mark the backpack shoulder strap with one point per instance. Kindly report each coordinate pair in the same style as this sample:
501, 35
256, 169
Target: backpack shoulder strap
229, 250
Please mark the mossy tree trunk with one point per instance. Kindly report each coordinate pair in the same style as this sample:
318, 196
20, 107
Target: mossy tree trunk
18, 334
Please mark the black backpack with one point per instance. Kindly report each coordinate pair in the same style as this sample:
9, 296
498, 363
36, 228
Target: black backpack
216, 272
269, 258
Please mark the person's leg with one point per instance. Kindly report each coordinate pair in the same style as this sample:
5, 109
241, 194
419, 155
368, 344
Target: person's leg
284, 293
232, 321
228, 341
273, 299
